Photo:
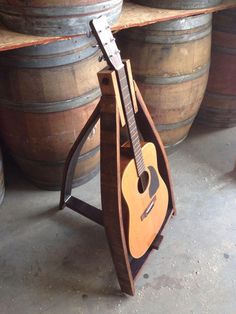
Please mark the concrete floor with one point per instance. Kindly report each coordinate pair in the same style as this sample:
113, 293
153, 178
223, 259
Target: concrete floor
58, 262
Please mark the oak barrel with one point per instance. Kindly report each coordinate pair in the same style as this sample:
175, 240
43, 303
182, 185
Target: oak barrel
170, 62
2, 188
179, 4
47, 94
61, 17
219, 105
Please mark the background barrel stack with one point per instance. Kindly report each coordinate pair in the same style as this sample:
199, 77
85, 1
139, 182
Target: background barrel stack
219, 104
179, 4
56, 18
48, 92
2, 187
170, 62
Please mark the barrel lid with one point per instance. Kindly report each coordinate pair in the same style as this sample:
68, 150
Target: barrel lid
186, 23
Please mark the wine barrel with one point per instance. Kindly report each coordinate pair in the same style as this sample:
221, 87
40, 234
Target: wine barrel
179, 4
2, 188
56, 18
47, 94
170, 62
219, 105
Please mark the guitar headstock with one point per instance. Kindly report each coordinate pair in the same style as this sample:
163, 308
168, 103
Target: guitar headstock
106, 42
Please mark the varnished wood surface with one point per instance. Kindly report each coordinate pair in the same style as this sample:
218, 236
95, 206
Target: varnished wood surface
142, 232
111, 181
132, 15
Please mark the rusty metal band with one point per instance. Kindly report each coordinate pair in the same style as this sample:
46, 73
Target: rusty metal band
224, 29
217, 117
182, 24
225, 50
57, 163
54, 106
51, 55
173, 126
222, 97
76, 181
179, 4
220, 112
160, 80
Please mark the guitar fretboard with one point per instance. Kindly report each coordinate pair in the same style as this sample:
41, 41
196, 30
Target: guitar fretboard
130, 120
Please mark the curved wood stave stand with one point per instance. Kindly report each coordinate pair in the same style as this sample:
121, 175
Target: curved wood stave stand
111, 116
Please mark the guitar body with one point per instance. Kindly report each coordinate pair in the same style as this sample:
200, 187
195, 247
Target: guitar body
146, 210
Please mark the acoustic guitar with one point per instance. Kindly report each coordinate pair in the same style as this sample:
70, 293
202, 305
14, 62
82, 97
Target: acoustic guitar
145, 195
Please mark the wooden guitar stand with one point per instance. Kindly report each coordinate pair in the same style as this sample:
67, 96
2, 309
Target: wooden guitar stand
110, 112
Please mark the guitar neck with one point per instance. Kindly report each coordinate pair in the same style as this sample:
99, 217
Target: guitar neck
130, 120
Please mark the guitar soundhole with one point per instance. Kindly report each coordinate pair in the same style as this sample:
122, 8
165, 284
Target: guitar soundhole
143, 182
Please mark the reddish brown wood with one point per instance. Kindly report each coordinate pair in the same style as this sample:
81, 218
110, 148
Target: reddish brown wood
2, 186
111, 181
219, 105
38, 123
72, 160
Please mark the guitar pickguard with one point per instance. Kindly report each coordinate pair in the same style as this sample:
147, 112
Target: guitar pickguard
154, 184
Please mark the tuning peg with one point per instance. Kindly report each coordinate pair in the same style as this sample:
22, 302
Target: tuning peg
101, 58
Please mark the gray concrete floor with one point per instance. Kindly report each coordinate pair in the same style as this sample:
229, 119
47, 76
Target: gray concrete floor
59, 262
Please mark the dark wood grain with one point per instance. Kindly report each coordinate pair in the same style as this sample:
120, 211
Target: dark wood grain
111, 188
219, 104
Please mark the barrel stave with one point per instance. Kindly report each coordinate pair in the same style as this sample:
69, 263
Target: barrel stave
219, 104
170, 61
41, 118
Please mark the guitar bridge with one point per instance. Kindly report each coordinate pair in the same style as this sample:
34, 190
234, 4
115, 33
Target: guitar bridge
148, 209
